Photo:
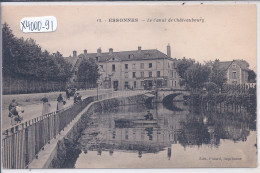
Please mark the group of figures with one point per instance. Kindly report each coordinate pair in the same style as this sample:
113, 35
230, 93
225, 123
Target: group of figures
16, 110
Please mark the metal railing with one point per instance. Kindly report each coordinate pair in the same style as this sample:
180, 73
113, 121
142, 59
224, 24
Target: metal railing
22, 143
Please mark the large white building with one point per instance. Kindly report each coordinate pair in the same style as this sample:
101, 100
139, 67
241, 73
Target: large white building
137, 69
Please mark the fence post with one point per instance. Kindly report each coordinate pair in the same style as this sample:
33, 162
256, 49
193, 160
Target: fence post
26, 147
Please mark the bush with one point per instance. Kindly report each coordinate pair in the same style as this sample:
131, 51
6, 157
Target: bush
211, 87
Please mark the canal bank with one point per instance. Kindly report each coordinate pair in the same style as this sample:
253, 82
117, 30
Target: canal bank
56, 153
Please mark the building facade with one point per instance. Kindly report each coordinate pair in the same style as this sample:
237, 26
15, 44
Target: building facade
138, 69
236, 71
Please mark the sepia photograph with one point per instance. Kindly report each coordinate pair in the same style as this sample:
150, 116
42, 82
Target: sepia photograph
129, 86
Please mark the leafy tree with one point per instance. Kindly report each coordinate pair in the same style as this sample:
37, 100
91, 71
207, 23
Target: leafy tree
217, 75
183, 65
196, 75
88, 73
8, 52
210, 86
251, 76
24, 59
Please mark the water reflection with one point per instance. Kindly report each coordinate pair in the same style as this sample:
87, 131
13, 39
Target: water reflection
188, 128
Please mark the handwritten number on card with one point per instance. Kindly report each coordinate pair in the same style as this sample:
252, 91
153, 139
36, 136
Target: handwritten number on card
38, 24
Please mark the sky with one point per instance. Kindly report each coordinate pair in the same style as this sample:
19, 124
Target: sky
228, 31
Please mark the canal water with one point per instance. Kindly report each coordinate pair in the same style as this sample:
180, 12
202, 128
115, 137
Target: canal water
182, 137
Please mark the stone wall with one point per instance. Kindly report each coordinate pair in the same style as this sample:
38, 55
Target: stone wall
62, 151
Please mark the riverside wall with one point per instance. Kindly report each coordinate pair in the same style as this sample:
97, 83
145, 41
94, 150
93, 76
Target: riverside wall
62, 151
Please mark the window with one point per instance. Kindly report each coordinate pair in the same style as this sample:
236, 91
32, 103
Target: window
113, 59
234, 65
101, 66
158, 73
142, 84
234, 75
168, 65
159, 83
126, 66
126, 135
150, 65
133, 66
126, 85
150, 74
134, 74
142, 65
175, 75
142, 74
175, 83
113, 67
134, 84
126, 74
97, 58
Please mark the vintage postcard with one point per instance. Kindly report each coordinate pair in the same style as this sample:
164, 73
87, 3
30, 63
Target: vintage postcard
111, 85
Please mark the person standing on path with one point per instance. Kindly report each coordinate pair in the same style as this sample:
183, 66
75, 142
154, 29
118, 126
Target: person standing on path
46, 105
12, 107
60, 103
68, 94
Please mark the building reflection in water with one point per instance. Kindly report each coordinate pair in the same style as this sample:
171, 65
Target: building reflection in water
187, 127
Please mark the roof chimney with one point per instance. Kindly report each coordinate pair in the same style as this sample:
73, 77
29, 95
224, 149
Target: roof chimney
74, 53
110, 50
139, 48
99, 51
168, 50
85, 52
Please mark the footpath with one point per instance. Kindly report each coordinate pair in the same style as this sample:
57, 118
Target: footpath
32, 104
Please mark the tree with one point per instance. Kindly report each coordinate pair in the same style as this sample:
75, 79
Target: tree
217, 75
24, 59
183, 65
251, 76
210, 86
8, 46
196, 75
88, 73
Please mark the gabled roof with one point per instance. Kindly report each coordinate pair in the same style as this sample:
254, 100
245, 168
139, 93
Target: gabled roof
243, 64
224, 65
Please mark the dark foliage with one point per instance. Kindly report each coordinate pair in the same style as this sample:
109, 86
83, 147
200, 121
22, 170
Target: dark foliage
251, 76
88, 73
217, 75
24, 59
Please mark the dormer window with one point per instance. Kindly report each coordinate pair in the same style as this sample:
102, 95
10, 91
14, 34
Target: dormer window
97, 58
113, 59
147, 55
130, 56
